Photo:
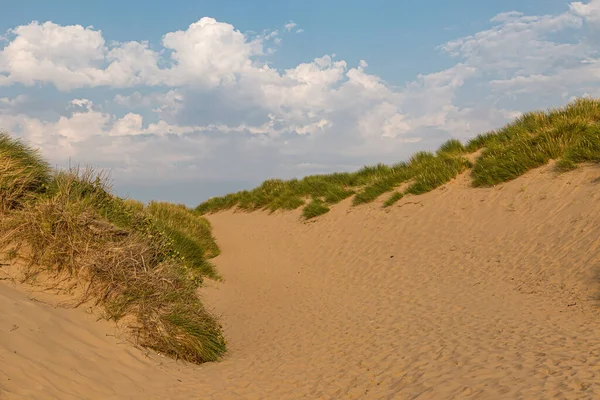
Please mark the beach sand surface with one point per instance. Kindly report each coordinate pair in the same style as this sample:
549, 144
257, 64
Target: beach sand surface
459, 293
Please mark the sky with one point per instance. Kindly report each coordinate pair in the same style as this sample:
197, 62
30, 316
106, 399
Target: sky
182, 101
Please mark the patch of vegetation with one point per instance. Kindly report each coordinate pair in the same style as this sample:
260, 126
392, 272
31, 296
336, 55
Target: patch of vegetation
315, 208
393, 199
132, 262
565, 165
191, 234
337, 194
430, 172
373, 191
23, 172
570, 135
452, 146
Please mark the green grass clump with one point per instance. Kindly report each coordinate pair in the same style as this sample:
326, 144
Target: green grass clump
286, 201
190, 232
216, 204
127, 260
393, 199
586, 147
23, 172
436, 172
565, 165
315, 208
452, 146
337, 194
385, 180
569, 135
425, 170
562, 134
372, 192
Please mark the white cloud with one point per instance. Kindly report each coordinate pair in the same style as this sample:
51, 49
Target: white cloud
72, 57
507, 16
519, 44
209, 53
20, 99
524, 55
65, 55
590, 11
290, 25
384, 120
321, 72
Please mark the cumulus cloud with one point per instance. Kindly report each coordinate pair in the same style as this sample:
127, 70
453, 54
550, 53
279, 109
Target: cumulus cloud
207, 53
207, 97
590, 11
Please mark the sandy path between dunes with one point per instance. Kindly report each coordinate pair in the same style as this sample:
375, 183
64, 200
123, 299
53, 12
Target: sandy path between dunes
459, 293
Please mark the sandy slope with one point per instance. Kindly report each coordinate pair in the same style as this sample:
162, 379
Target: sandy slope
459, 293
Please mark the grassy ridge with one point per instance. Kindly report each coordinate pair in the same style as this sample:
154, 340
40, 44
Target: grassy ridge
570, 135
144, 263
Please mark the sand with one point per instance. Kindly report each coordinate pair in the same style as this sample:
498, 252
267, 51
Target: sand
460, 293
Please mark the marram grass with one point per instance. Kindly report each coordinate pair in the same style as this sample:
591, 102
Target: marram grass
570, 135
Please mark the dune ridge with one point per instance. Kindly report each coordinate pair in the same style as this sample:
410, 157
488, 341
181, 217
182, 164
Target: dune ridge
567, 136
458, 293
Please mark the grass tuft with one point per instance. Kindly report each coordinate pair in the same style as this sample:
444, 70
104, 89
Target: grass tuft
565, 165
452, 146
23, 172
315, 208
576, 140
393, 199
191, 234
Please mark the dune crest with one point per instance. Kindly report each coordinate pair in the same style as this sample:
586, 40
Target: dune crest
457, 293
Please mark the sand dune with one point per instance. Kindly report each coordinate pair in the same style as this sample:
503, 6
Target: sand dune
458, 293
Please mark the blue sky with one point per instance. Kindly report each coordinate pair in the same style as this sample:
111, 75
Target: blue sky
187, 102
